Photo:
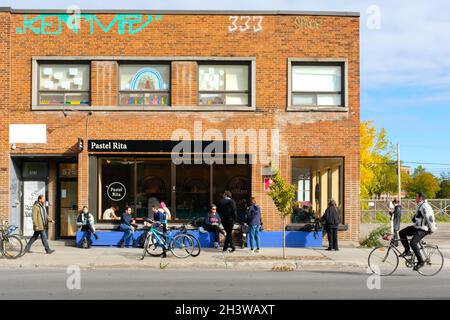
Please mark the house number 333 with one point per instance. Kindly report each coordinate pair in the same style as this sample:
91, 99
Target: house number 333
245, 23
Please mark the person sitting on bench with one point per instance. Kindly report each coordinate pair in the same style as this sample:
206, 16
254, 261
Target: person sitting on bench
212, 223
85, 222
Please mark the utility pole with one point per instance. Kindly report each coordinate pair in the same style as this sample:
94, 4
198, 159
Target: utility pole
399, 174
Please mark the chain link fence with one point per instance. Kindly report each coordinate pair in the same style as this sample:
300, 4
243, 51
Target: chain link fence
372, 207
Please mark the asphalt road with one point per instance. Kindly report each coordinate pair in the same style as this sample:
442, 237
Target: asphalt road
206, 285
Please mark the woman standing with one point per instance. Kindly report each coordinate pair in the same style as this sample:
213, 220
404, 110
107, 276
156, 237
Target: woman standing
332, 218
254, 222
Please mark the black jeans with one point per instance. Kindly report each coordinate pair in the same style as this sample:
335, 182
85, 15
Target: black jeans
332, 235
216, 230
417, 235
228, 226
36, 235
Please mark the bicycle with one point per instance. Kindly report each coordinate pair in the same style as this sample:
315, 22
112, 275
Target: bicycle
183, 230
10, 245
156, 243
384, 260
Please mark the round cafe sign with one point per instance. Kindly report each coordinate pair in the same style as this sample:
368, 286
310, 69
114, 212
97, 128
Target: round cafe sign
116, 191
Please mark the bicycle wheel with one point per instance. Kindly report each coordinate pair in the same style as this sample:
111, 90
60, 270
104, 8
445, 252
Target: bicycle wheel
182, 245
383, 260
154, 247
433, 259
24, 244
144, 251
12, 247
197, 246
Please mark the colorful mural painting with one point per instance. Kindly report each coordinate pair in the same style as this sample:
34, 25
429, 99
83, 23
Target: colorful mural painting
145, 86
53, 24
147, 79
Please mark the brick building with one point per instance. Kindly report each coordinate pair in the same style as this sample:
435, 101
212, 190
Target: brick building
93, 107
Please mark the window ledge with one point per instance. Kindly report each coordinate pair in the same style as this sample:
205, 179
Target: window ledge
143, 108
317, 109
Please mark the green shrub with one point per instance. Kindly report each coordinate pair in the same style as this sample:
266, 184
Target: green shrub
382, 217
442, 218
373, 240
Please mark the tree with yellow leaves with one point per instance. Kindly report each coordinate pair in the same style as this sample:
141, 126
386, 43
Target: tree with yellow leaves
377, 169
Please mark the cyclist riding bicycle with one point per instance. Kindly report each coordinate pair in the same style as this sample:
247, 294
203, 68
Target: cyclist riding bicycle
424, 224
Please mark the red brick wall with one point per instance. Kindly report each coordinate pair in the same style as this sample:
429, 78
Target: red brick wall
4, 112
104, 75
301, 133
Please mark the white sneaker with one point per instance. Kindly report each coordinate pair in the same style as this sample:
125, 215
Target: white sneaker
216, 245
258, 250
252, 250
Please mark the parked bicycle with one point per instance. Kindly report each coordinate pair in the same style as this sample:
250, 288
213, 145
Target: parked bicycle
184, 230
384, 260
10, 245
156, 242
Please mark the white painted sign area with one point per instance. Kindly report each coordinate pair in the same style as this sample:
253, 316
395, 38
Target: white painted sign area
27, 133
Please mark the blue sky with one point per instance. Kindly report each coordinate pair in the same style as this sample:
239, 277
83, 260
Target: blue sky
405, 63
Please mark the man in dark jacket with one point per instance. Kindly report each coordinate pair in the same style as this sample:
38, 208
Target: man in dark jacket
332, 218
40, 224
228, 213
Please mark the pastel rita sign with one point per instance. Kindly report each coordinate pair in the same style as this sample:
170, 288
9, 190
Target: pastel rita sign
51, 24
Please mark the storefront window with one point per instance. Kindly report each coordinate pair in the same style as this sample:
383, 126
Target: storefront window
193, 190
235, 178
144, 85
318, 180
187, 189
117, 184
153, 185
224, 85
63, 84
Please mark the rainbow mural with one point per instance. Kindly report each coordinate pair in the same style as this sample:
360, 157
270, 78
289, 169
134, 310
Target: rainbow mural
145, 77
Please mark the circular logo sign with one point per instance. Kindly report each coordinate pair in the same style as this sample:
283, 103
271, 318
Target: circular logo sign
116, 191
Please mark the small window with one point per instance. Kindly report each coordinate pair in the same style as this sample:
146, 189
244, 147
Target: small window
224, 85
63, 84
317, 85
144, 85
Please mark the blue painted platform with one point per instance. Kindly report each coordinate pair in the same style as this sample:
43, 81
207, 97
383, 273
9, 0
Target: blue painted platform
294, 239
268, 239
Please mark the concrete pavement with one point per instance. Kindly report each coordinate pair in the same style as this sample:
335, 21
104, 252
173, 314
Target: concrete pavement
210, 259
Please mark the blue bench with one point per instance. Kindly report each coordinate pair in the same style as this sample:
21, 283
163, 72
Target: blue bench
268, 239
294, 239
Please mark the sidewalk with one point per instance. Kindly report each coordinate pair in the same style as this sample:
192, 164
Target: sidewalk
129, 258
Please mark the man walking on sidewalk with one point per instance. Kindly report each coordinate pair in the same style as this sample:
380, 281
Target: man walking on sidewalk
228, 213
40, 224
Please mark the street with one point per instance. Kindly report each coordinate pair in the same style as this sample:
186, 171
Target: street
226, 284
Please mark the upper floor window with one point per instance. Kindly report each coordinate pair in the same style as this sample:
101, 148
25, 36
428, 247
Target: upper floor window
144, 85
224, 85
63, 84
318, 84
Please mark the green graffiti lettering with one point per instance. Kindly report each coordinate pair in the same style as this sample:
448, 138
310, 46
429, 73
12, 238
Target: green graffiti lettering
126, 23
105, 30
149, 19
46, 23
28, 24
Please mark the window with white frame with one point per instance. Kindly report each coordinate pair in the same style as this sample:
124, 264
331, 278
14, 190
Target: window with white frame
144, 85
224, 85
63, 84
318, 84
